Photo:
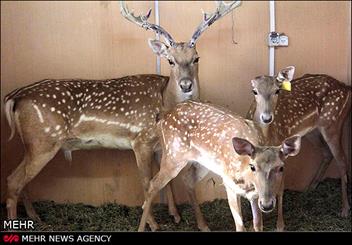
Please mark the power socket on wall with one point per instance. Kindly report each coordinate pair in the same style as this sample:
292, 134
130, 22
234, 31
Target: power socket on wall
276, 39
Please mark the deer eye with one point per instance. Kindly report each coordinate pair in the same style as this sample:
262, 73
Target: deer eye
252, 167
254, 92
196, 60
277, 91
171, 62
281, 169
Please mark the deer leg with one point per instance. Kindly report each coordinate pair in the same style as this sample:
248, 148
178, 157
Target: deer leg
235, 206
29, 206
167, 172
30, 166
280, 224
169, 194
144, 155
171, 203
13, 189
334, 140
316, 139
257, 215
280, 218
193, 175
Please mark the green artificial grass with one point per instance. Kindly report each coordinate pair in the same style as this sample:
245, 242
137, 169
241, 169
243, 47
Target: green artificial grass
315, 210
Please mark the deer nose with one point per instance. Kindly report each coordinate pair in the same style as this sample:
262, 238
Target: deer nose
186, 85
267, 118
267, 207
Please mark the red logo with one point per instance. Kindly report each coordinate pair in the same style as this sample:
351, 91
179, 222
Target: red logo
11, 238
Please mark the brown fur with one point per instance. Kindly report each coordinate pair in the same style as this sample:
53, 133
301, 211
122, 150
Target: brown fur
316, 102
199, 136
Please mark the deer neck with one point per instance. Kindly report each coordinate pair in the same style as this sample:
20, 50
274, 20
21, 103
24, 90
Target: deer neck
172, 94
258, 132
265, 129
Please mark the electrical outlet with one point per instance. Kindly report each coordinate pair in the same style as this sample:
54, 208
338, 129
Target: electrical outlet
276, 39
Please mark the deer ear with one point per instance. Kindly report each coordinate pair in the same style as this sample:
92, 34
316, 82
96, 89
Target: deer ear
158, 47
291, 146
286, 74
253, 82
243, 147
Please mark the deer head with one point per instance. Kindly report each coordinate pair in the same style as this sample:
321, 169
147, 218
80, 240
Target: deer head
266, 90
183, 61
266, 167
182, 57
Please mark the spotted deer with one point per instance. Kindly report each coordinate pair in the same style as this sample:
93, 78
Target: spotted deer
121, 113
317, 103
199, 134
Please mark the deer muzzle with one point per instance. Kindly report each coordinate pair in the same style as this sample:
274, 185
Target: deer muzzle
186, 85
266, 118
267, 205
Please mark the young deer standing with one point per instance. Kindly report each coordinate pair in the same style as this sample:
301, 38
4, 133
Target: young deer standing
200, 134
117, 113
316, 102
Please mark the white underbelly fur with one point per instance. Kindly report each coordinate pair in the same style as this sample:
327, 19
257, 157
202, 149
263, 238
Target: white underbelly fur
101, 141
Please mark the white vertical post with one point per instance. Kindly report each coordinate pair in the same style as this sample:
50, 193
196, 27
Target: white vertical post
272, 49
158, 71
157, 36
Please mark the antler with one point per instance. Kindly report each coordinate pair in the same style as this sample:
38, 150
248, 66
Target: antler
222, 9
141, 20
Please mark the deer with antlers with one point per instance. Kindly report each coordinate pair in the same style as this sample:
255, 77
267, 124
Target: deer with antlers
116, 113
317, 103
199, 134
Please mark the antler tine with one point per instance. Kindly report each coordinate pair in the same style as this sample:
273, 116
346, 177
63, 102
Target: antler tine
141, 21
222, 9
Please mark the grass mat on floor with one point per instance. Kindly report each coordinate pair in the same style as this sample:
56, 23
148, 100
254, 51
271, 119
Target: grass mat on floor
316, 210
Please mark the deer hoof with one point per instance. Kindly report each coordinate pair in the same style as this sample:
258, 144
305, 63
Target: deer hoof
280, 229
154, 226
241, 229
345, 212
32, 214
204, 228
11, 208
177, 218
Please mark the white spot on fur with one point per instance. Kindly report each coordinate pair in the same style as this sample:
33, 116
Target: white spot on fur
39, 113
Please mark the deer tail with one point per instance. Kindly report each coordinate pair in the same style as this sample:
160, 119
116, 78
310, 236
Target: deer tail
9, 111
68, 155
